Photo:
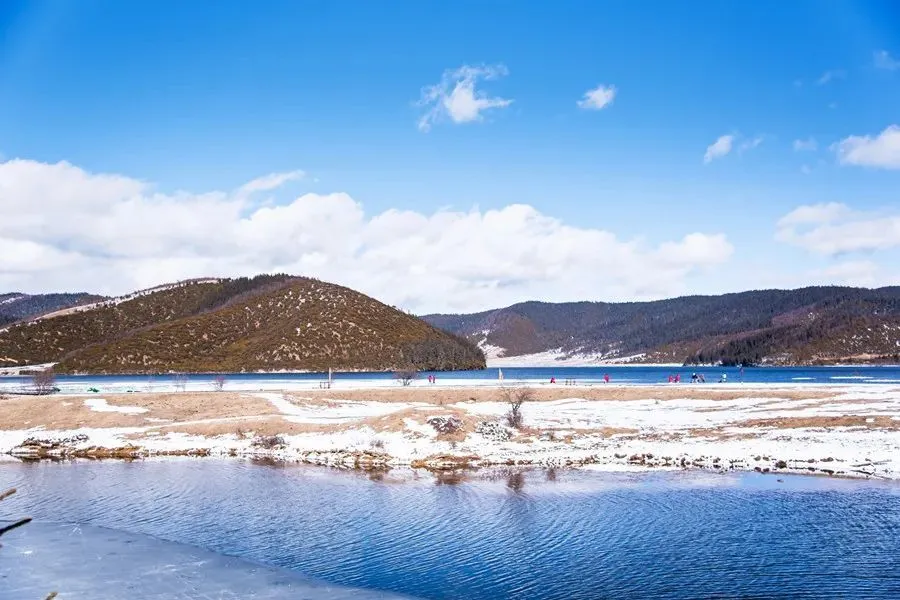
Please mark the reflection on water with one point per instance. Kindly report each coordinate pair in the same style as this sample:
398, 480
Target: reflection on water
503, 533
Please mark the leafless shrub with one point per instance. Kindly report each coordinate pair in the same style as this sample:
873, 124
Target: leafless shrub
44, 381
405, 376
515, 398
219, 383
180, 382
268, 442
377, 444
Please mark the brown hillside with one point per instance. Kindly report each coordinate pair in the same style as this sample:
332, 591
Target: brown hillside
299, 324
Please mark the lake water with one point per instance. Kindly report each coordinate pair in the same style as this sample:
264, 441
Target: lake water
581, 375
497, 534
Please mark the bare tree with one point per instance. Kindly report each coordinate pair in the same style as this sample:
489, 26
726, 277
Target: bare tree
515, 398
219, 383
405, 376
180, 382
44, 381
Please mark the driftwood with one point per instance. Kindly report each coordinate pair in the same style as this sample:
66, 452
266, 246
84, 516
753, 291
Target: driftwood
19, 523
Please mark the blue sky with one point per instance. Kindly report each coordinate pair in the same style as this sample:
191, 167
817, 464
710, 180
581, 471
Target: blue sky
187, 98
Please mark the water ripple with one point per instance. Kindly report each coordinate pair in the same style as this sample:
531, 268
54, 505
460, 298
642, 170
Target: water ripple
505, 534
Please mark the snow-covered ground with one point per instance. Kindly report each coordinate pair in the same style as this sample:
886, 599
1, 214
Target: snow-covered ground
557, 358
851, 430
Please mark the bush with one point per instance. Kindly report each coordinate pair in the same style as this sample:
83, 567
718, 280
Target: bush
44, 382
405, 376
268, 442
515, 398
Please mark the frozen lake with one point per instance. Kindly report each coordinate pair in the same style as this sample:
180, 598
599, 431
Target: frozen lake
627, 375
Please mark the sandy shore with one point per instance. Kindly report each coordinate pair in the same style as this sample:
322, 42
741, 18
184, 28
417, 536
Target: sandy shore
835, 430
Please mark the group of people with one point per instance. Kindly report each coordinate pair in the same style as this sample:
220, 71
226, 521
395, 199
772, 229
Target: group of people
432, 379
696, 378
572, 381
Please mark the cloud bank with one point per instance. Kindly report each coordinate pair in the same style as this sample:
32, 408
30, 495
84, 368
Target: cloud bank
67, 229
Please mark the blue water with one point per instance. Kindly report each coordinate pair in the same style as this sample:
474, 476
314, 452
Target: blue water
582, 375
502, 534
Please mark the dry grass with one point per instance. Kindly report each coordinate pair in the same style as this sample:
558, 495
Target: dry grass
878, 422
61, 412
264, 426
543, 393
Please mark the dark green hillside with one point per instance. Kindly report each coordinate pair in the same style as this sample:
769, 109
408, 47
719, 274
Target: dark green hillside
810, 325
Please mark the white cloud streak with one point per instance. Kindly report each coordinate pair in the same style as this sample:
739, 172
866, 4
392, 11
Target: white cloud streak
883, 60
456, 97
67, 229
270, 182
881, 151
751, 143
834, 229
829, 76
718, 149
807, 145
598, 98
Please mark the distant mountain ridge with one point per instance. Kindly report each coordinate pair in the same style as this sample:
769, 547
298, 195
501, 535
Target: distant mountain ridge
15, 306
269, 322
814, 325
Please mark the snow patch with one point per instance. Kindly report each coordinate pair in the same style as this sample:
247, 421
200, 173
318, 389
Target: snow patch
100, 405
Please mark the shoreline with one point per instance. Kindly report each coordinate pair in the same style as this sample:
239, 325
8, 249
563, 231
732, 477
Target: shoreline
846, 431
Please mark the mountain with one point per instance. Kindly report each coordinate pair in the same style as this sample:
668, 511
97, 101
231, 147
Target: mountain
269, 322
815, 325
16, 307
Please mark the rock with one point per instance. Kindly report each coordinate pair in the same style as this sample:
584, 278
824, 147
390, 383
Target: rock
444, 424
268, 442
493, 431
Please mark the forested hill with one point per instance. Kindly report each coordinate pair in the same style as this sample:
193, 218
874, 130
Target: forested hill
16, 307
269, 322
815, 325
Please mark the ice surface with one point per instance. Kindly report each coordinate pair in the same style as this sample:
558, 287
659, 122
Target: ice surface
94, 563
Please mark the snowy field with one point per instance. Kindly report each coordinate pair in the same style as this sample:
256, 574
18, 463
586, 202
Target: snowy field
846, 430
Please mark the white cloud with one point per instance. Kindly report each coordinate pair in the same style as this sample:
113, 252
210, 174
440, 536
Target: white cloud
67, 229
881, 151
598, 98
721, 147
807, 145
751, 143
272, 181
858, 273
829, 76
456, 97
833, 229
883, 60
